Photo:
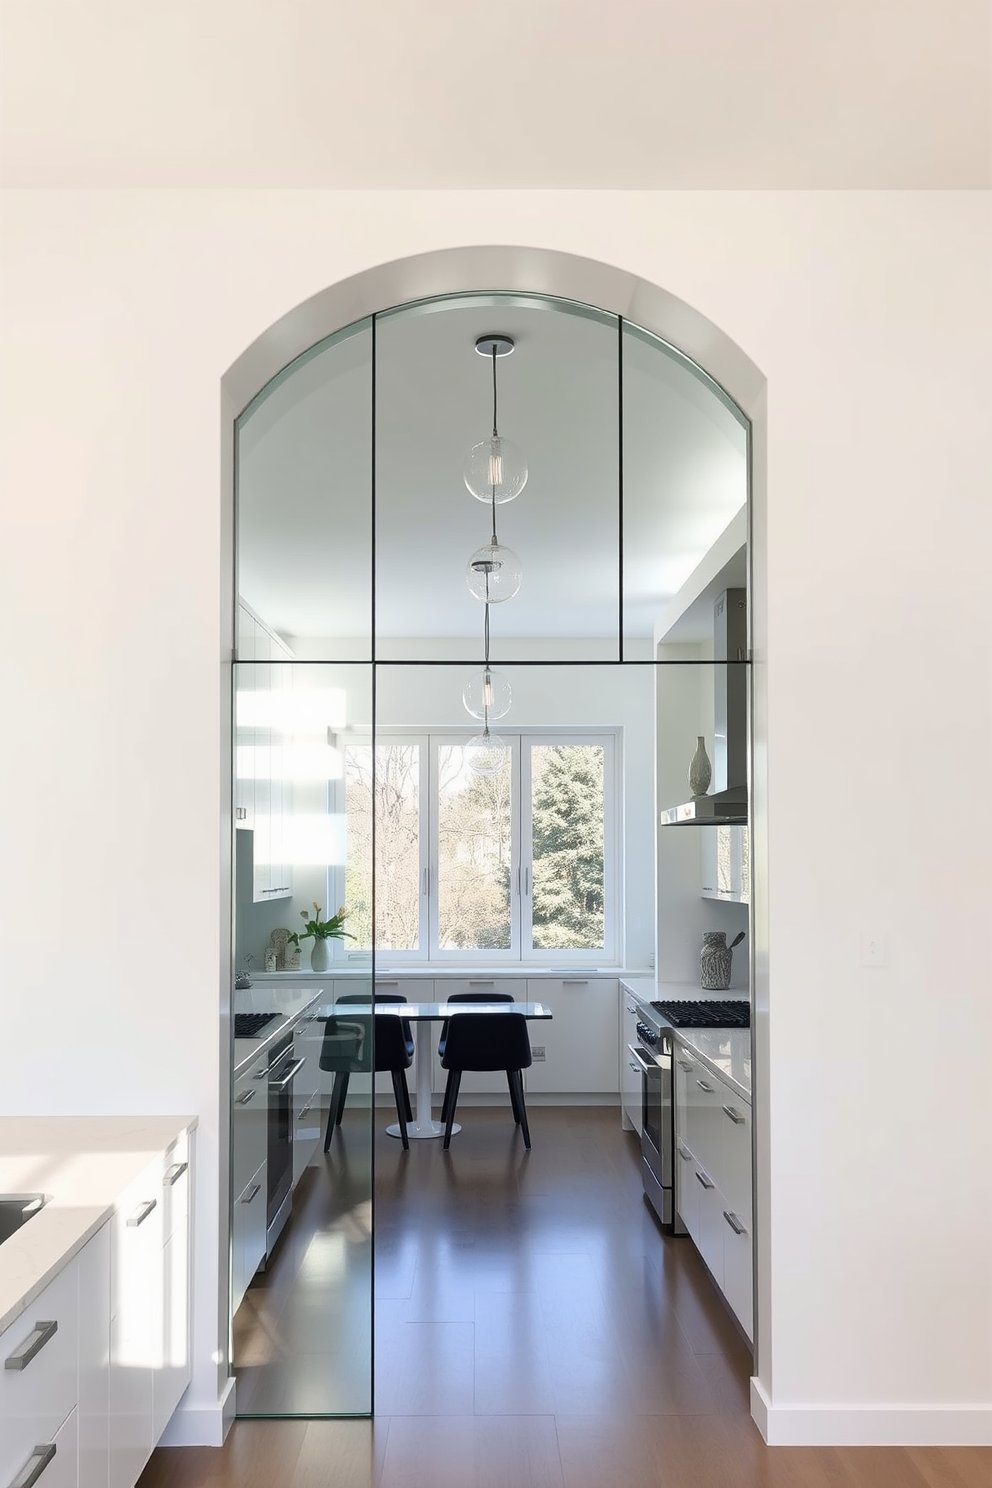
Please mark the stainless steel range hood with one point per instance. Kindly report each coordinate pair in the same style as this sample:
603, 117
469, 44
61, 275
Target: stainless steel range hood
726, 803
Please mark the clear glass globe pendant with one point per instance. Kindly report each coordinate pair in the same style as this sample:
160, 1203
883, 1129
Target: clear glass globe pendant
495, 469
487, 695
486, 753
494, 573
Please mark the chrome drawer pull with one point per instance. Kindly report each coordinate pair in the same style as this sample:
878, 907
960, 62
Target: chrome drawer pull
243, 1100
575, 981
482, 984
632, 1064
35, 1466
685, 1155
289, 1076
173, 1174
685, 1065
141, 1213
706, 1182
734, 1223
248, 1195
33, 1344
703, 1086
735, 1116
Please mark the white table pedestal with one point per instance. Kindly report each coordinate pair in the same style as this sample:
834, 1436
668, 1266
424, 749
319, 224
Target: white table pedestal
422, 1124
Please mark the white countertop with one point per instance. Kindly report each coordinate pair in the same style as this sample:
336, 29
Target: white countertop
84, 1164
727, 1051
288, 1001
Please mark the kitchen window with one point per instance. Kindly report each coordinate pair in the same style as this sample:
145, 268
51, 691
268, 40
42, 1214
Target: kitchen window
516, 866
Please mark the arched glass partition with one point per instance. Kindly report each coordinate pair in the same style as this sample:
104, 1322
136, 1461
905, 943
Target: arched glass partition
456, 720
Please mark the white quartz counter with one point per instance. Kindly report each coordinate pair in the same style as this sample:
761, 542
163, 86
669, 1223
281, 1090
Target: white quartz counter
83, 1164
288, 1001
727, 1051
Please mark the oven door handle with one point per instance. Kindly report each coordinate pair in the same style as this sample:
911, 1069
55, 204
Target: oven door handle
289, 1076
648, 1066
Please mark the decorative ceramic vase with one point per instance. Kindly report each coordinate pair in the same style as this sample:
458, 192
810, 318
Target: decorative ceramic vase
700, 769
320, 956
715, 962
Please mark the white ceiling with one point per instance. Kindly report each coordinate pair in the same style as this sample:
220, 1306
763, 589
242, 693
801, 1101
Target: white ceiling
526, 93
305, 478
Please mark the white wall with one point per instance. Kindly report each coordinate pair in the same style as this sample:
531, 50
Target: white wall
870, 316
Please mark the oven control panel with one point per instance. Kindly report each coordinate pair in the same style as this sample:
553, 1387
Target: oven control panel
647, 1034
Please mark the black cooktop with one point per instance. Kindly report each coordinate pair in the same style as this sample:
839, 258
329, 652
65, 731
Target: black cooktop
247, 1025
707, 1014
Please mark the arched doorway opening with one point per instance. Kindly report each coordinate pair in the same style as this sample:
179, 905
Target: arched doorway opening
371, 380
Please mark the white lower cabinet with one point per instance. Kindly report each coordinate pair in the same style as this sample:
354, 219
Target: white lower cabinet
149, 1299
713, 1177
39, 1380
95, 1366
581, 1040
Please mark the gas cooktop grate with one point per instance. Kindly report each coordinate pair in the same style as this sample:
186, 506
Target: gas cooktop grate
247, 1025
706, 1014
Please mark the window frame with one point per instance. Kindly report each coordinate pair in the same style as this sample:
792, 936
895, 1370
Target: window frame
521, 951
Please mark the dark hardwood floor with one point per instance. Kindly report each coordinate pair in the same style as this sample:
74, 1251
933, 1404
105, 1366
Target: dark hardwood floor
534, 1328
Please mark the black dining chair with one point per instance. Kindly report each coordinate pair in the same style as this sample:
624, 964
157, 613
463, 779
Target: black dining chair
345, 1051
466, 997
487, 1041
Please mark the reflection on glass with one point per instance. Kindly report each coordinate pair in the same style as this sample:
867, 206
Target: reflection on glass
567, 846
383, 807
302, 1280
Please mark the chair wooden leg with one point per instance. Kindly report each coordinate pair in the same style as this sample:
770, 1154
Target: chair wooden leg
402, 1103
450, 1101
518, 1080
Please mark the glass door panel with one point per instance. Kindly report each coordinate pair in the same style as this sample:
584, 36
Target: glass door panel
301, 1268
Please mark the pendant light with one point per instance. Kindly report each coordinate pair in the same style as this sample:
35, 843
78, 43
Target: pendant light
495, 469
489, 692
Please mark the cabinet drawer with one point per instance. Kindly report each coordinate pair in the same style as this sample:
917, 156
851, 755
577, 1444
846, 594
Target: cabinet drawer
250, 1102
735, 1155
38, 1380
737, 1271
52, 1463
704, 1119
175, 1188
686, 1190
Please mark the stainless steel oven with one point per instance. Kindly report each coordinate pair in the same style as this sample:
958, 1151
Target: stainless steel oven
281, 1073
653, 1053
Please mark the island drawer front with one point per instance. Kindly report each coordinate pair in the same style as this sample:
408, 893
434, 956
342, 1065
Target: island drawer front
735, 1155
36, 1399
56, 1460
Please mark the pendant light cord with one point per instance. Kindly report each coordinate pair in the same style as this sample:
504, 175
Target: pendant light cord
492, 484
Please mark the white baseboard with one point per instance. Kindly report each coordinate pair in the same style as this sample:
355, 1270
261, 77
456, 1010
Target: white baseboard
870, 1425
201, 1425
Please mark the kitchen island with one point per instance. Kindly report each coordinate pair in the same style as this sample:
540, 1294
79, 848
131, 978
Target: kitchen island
94, 1295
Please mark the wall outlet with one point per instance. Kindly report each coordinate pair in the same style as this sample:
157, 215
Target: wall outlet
537, 1053
874, 950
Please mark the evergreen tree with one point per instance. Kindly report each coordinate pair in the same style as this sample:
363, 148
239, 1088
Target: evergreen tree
568, 848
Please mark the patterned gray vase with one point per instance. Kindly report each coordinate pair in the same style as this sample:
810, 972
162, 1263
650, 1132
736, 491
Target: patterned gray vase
700, 770
715, 962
